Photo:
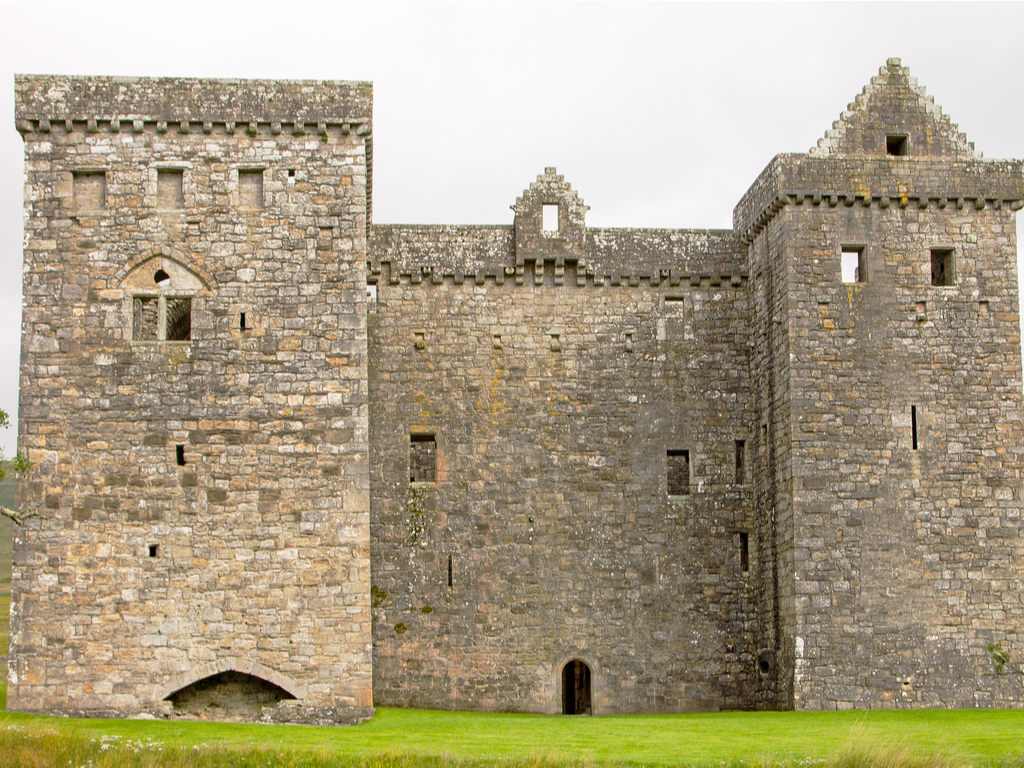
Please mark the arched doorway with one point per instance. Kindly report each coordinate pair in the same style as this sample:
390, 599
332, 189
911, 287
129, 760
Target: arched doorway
576, 688
227, 696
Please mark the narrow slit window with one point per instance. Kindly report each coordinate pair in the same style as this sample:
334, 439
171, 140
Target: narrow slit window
170, 188
154, 550
897, 145
744, 553
90, 190
242, 326
741, 462
678, 473
250, 188
913, 427
179, 455
422, 459
451, 573
853, 267
942, 266
550, 213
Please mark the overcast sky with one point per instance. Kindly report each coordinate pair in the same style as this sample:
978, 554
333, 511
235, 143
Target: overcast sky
659, 115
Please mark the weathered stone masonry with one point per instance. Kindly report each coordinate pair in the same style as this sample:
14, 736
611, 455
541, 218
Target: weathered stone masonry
543, 467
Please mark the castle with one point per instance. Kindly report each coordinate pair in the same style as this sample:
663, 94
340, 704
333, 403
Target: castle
291, 464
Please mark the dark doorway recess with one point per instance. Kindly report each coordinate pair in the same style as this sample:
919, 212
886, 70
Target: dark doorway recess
576, 688
227, 696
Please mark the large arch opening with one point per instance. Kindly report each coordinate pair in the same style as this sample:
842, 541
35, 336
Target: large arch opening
227, 696
576, 689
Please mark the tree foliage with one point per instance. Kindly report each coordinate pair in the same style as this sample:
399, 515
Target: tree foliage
18, 466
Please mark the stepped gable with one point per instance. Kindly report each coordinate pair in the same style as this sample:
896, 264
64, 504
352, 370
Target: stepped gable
893, 103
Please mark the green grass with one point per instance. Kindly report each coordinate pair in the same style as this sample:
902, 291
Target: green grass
396, 737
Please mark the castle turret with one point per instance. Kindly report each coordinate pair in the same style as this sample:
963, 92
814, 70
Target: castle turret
193, 395
887, 378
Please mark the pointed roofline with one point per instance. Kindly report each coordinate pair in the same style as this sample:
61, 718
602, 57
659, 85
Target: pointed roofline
833, 138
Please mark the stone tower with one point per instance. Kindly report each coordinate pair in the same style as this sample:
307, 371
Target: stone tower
886, 376
193, 392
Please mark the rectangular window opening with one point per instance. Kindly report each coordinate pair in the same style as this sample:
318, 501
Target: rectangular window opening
745, 552
241, 322
153, 550
179, 454
250, 189
741, 461
853, 267
169, 188
942, 266
913, 427
678, 473
371, 296
550, 218
897, 145
179, 319
422, 459
451, 579
145, 318
90, 190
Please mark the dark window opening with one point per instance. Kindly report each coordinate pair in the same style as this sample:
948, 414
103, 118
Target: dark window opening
741, 462
145, 318
422, 459
90, 190
179, 319
913, 427
170, 189
291, 173
853, 267
179, 454
576, 689
161, 278
745, 553
451, 580
942, 266
897, 145
250, 189
241, 322
764, 662
153, 549
678, 473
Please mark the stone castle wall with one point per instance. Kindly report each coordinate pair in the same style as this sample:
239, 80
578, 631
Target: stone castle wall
290, 465
549, 533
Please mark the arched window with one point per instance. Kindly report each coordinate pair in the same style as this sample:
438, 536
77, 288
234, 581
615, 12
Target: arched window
161, 293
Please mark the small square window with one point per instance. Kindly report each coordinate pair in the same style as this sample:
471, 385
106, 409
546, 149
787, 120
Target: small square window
897, 145
854, 266
942, 266
422, 459
678, 473
250, 189
90, 190
169, 188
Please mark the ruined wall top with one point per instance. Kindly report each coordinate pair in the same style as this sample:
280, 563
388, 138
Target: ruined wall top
293, 103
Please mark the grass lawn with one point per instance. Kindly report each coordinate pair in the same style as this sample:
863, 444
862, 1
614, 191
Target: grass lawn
402, 737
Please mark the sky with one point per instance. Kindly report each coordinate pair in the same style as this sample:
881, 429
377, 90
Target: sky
659, 115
